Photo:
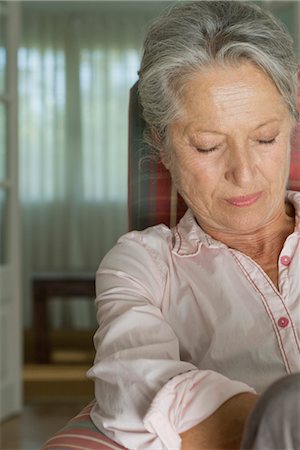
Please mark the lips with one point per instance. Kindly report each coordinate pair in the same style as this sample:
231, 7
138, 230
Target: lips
244, 200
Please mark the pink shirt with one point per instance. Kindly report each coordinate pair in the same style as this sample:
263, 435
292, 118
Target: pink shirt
185, 323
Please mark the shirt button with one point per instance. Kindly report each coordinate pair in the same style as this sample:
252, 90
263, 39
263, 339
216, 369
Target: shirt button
283, 322
285, 260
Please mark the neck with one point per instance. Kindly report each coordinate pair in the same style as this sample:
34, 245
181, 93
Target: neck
263, 245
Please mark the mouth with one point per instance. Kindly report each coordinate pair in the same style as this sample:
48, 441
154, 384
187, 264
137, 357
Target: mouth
244, 200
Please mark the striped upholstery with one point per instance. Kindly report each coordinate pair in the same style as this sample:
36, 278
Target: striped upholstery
294, 179
80, 433
152, 198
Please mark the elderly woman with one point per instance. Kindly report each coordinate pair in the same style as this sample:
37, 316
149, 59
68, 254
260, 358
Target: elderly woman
197, 321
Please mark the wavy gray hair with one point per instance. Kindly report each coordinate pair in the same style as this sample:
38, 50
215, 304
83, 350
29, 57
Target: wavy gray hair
193, 35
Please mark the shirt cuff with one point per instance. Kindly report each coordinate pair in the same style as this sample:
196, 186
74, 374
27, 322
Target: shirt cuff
186, 400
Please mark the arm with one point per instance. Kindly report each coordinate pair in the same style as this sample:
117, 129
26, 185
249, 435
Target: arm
146, 394
224, 428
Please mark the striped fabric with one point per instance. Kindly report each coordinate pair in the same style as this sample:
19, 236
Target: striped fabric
152, 198
81, 434
294, 179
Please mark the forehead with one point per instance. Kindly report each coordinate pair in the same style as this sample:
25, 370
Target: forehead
220, 94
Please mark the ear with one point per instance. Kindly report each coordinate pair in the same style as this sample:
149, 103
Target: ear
164, 157
160, 147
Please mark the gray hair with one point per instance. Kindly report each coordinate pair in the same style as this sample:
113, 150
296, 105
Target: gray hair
196, 34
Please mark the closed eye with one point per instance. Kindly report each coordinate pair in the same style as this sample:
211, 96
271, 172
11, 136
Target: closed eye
207, 150
269, 141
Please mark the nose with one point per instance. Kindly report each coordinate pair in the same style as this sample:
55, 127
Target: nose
240, 169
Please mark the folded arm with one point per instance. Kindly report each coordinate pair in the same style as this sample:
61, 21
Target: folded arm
224, 428
147, 396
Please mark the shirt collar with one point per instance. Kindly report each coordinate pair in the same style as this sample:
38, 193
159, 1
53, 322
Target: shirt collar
188, 236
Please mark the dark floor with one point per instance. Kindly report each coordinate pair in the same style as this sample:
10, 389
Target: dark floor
36, 424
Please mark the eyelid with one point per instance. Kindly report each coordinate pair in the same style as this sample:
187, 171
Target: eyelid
269, 137
267, 141
208, 150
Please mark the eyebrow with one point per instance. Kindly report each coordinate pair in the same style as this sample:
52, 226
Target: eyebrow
198, 131
267, 123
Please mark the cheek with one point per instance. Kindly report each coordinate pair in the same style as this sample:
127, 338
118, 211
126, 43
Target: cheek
192, 177
277, 166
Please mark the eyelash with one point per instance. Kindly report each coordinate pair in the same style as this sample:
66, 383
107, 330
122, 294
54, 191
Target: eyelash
209, 150
202, 150
271, 141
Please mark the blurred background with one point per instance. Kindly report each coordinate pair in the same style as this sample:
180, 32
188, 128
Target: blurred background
66, 68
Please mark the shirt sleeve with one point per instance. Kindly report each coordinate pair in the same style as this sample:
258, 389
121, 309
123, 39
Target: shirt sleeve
145, 394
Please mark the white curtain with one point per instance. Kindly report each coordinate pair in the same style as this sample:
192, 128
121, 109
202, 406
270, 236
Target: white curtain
75, 72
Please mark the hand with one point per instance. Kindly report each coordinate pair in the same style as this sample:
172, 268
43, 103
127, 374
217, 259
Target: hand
224, 428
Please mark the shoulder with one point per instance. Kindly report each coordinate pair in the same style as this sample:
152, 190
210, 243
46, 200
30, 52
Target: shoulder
136, 266
156, 240
140, 250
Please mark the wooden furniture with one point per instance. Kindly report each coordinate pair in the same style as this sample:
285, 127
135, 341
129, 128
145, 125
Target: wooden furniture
46, 286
